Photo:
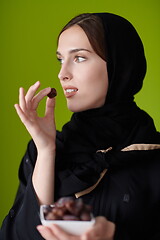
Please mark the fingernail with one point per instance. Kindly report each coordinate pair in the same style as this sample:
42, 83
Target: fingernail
39, 228
37, 83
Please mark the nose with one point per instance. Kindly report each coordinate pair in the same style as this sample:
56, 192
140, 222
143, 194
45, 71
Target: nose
64, 73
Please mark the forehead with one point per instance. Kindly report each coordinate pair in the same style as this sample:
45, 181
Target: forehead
73, 37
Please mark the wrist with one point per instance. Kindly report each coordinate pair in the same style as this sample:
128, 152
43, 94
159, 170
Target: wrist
47, 151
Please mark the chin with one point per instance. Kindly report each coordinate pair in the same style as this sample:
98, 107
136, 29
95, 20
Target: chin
80, 106
75, 109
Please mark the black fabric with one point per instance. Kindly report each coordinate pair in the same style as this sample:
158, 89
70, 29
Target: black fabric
23, 217
119, 122
129, 193
126, 61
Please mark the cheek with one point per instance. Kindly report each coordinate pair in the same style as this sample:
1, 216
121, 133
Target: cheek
99, 79
94, 89
100, 85
92, 81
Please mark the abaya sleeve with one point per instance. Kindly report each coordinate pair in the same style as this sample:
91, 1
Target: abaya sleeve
23, 217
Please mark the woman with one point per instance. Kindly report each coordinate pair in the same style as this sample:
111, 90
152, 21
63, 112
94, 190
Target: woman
109, 152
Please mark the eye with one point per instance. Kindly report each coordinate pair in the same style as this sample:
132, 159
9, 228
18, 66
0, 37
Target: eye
79, 59
60, 60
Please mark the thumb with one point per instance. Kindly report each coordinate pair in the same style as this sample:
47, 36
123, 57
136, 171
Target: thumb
102, 229
50, 105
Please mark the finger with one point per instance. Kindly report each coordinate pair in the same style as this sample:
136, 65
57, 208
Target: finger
38, 97
50, 105
105, 228
22, 101
46, 232
103, 225
61, 234
30, 125
102, 229
31, 92
21, 114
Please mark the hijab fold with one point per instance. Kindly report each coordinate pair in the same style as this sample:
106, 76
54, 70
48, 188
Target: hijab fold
117, 124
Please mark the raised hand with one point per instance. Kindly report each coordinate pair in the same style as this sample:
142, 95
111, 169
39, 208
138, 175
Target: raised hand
43, 132
41, 129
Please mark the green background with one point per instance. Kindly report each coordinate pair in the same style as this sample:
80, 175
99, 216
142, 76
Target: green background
28, 43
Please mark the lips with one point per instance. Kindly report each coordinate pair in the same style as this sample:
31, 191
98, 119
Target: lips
70, 91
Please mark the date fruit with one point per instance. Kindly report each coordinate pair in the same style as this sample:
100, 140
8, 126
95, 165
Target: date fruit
69, 209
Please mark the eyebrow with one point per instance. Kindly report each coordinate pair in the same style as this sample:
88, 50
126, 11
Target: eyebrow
75, 50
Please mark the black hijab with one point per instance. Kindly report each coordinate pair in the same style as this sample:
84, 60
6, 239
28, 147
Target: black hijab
117, 124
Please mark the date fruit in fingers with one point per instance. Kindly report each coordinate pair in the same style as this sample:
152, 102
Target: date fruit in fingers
52, 93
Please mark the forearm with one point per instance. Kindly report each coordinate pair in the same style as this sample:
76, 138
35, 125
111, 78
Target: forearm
43, 176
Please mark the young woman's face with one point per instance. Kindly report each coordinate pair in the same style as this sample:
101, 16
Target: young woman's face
83, 73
